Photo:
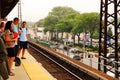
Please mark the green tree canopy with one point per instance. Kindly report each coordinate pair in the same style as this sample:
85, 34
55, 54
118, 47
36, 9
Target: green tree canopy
66, 24
56, 18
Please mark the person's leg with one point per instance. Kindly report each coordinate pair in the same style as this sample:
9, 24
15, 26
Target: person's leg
11, 59
23, 52
19, 50
11, 55
24, 49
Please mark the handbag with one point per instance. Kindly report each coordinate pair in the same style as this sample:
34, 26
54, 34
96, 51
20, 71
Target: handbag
17, 61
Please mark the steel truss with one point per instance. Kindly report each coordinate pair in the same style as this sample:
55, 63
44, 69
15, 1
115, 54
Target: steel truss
109, 17
19, 13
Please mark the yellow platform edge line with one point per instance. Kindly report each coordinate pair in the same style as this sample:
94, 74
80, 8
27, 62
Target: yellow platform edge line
35, 71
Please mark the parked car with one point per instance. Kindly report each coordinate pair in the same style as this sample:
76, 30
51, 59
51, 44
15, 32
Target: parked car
111, 59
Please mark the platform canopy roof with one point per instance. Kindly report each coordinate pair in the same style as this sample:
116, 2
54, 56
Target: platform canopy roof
7, 6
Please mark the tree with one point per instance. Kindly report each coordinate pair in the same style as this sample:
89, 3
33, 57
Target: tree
49, 23
40, 22
86, 22
56, 19
91, 23
78, 26
66, 24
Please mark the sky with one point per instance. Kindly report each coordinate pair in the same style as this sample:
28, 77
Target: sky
34, 10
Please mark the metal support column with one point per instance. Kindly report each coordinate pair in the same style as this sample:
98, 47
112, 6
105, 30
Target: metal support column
109, 18
19, 12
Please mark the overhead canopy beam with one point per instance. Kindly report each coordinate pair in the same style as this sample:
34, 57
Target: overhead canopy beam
6, 6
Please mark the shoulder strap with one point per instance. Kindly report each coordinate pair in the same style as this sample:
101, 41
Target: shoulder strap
20, 28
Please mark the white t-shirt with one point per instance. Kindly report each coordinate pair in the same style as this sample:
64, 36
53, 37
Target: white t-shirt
23, 36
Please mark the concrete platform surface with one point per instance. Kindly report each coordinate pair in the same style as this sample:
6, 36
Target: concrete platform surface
22, 72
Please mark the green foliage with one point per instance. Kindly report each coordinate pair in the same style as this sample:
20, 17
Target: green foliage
66, 19
49, 23
56, 19
40, 22
86, 22
43, 43
64, 26
92, 48
95, 35
57, 40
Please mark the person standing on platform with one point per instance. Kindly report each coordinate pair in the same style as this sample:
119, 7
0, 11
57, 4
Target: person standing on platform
23, 39
15, 31
4, 67
10, 43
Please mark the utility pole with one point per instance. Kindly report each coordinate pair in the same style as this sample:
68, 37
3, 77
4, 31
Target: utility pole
109, 16
19, 13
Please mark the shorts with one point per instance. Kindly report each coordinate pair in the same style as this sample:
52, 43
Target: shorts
11, 52
23, 44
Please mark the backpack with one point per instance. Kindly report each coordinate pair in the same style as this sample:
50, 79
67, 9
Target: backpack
17, 61
21, 28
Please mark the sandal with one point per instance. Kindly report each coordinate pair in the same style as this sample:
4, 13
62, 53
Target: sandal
12, 74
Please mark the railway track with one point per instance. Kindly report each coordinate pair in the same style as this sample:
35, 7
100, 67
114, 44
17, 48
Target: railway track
51, 67
58, 67
63, 67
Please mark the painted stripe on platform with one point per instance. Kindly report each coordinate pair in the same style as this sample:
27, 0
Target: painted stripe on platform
37, 72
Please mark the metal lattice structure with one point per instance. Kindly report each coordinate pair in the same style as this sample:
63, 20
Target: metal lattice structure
19, 12
109, 18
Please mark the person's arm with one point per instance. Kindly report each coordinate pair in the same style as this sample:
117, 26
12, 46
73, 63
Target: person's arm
7, 38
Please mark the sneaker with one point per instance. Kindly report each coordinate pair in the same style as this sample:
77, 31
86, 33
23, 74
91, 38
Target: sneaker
23, 58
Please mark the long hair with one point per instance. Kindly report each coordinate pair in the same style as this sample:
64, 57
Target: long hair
8, 25
1, 24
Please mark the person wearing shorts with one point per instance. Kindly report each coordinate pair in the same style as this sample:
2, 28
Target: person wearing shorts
10, 44
23, 39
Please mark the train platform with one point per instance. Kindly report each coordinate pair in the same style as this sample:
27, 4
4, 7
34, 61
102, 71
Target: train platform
30, 69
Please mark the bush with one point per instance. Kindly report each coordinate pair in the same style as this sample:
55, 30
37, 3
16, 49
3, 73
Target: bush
43, 43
